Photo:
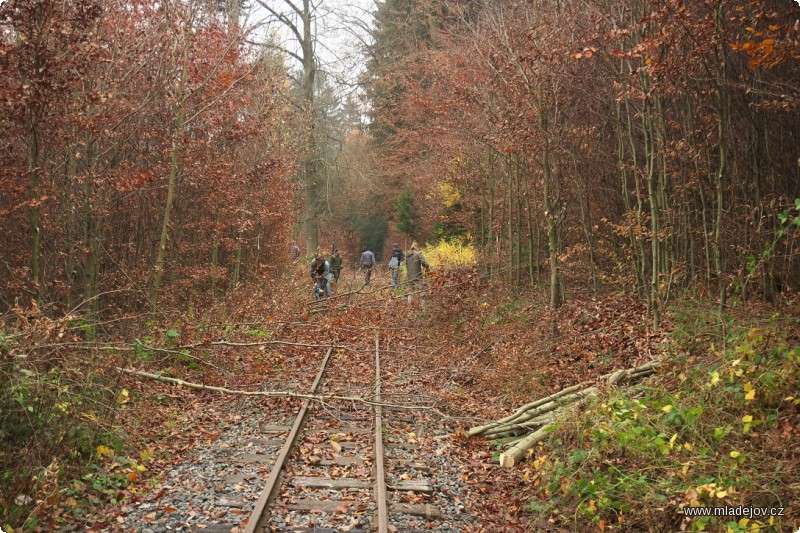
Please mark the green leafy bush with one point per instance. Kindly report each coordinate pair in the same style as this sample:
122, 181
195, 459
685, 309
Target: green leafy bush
52, 419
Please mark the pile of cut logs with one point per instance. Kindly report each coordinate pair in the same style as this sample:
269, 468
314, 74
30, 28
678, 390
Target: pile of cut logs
532, 422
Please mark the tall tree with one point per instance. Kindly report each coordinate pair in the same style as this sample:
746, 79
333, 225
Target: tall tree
406, 213
298, 18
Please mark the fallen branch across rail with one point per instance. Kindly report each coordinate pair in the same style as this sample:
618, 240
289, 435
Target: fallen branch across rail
275, 394
257, 343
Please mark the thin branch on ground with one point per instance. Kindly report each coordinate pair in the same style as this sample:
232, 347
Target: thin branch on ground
274, 394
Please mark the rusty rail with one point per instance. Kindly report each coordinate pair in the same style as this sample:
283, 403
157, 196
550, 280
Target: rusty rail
382, 510
258, 516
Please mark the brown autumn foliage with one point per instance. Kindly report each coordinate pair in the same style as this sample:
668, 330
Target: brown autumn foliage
92, 93
141, 140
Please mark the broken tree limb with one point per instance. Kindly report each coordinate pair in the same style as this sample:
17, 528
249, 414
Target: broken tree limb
275, 394
257, 343
506, 441
616, 376
527, 427
522, 427
546, 419
526, 419
642, 373
564, 396
118, 347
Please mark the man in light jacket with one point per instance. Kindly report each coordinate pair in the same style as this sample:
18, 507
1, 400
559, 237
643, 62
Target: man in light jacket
367, 262
395, 262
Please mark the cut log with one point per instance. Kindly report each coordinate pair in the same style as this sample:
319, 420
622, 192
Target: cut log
507, 430
523, 428
522, 410
616, 376
506, 441
550, 403
516, 452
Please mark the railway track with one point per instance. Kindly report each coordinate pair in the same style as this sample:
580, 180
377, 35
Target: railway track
336, 468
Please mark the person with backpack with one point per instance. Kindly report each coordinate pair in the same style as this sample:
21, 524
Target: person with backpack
336, 265
394, 264
367, 262
321, 276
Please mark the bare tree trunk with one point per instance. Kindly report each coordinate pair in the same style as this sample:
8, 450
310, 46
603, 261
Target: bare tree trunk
491, 236
518, 201
36, 210
215, 255
177, 142
639, 209
311, 176
237, 264
585, 222
552, 229
651, 149
510, 187
634, 240
92, 238
720, 174
654, 226
531, 243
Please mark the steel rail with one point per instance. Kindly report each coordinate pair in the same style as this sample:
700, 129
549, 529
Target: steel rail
258, 514
382, 510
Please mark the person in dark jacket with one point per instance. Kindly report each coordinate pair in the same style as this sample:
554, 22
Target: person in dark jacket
321, 275
394, 263
336, 265
294, 252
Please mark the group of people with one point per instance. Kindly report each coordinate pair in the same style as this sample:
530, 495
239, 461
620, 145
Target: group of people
414, 260
323, 272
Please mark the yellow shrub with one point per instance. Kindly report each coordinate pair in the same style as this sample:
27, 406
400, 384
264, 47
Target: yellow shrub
449, 254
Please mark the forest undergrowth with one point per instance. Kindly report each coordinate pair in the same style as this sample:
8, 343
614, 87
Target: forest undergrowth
716, 425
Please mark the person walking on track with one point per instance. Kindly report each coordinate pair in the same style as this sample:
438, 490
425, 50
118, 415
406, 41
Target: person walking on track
294, 252
415, 261
367, 262
394, 264
336, 265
